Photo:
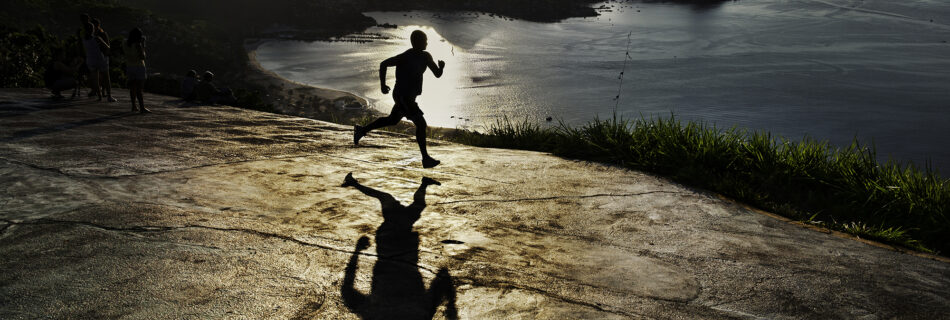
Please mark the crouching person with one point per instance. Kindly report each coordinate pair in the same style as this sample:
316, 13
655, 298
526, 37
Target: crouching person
60, 73
209, 93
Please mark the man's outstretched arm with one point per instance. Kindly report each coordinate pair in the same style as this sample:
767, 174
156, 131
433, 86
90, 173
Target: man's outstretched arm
391, 62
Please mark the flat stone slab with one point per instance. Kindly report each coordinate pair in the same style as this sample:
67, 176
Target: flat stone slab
219, 212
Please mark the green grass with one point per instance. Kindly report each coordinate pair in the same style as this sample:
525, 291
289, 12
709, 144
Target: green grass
844, 189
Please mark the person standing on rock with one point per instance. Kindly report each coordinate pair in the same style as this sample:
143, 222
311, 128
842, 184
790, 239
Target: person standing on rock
83, 72
105, 80
96, 59
135, 68
410, 65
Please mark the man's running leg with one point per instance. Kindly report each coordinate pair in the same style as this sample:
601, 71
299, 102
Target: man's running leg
392, 119
420, 123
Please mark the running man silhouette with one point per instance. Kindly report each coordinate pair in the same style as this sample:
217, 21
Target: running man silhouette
410, 66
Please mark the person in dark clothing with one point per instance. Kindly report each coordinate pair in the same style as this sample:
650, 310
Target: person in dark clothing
105, 80
96, 61
410, 65
207, 92
60, 73
188, 85
135, 68
83, 73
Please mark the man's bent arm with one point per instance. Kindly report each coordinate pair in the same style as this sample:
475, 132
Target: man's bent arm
391, 62
436, 69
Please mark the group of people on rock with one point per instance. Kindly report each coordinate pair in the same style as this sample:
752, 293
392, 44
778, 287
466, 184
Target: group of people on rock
91, 62
204, 90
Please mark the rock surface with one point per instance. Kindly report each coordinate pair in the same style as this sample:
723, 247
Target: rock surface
218, 212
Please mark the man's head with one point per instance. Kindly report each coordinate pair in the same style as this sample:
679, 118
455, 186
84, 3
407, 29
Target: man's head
419, 40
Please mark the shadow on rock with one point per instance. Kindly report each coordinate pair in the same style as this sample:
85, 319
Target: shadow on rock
29, 133
397, 290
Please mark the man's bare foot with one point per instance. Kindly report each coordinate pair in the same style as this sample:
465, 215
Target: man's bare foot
349, 181
429, 162
144, 110
430, 181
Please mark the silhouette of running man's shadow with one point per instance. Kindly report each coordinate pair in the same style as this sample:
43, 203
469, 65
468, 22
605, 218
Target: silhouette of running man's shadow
397, 290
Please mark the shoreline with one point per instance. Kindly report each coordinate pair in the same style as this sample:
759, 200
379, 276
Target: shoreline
266, 77
299, 99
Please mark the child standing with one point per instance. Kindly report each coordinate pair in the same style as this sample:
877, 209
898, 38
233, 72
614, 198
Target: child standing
135, 68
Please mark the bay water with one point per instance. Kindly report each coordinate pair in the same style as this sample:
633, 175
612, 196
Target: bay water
835, 70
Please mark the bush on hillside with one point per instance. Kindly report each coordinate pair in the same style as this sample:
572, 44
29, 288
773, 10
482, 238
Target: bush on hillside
24, 56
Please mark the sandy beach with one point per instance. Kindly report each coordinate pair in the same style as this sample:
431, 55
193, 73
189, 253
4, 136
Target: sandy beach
299, 99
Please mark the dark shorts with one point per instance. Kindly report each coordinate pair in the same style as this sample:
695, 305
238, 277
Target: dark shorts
406, 106
97, 66
136, 73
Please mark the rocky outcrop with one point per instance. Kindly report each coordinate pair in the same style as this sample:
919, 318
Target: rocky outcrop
219, 212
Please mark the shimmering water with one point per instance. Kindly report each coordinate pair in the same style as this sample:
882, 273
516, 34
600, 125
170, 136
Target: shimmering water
832, 70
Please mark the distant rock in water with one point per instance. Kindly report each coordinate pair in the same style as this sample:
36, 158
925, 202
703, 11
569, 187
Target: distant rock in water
693, 2
347, 103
